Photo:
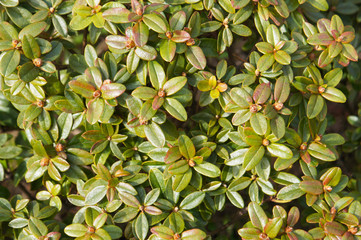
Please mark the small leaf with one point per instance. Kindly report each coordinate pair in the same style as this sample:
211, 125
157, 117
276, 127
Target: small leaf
192, 200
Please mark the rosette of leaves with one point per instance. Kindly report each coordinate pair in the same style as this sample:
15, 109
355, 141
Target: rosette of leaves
225, 34
143, 17
31, 49
175, 36
175, 210
33, 109
260, 226
282, 223
104, 138
142, 124
321, 148
95, 227
31, 219
163, 232
258, 145
331, 182
100, 95
334, 40
338, 217
39, 230
106, 184
272, 9
140, 212
182, 159
43, 162
211, 88
123, 44
15, 44
247, 107
252, 72
52, 11
275, 49
86, 13
51, 192
257, 181
320, 89
161, 93
14, 209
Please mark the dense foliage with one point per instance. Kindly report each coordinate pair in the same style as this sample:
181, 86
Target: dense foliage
179, 119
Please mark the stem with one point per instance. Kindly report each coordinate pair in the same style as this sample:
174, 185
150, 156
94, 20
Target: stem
85, 37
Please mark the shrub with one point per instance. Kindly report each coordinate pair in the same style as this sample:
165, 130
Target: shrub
178, 119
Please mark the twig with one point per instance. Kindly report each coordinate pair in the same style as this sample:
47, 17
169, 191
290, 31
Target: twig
85, 39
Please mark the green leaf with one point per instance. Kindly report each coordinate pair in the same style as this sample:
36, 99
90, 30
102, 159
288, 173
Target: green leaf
95, 110
265, 62
95, 195
116, 15
241, 30
186, 147
235, 198
193, 234
75, 230
290, 192
280, 150
321, 152
261, 93
156, 74
140, 33
253, 157
320, 39
9, 152
28, 72
125, 215
9, 62
321, 5
60, 25
335, 228
282, 57
195, 56
259, 123
334, 95
175, 108
30, 47
192, 200
314, 105
132, 61
154, 134
37, 227
333, 77
208, 169
83, 88
258, 217
173, 85
147, 112
141, 226
314, 187
112, 90
155, 22
146, 53
162, 232
167, 49
273, 227
249, 233
181, 181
